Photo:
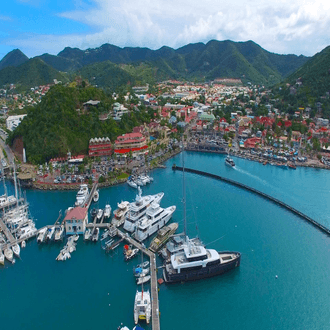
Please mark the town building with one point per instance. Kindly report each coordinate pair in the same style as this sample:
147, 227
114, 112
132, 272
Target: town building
99, 147
76, 220
134, 142
13, 121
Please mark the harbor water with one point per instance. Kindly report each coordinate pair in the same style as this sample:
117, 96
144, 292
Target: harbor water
282, 283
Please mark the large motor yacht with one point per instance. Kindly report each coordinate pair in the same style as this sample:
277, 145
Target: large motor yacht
82, 195
194, 262
156, 217
138, 208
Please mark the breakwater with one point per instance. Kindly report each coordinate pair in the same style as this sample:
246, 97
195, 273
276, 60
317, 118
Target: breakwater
258, 192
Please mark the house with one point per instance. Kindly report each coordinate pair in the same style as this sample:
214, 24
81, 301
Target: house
252, 142
76, 220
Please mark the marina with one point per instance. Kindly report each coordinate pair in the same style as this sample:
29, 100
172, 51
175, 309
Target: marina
115, 268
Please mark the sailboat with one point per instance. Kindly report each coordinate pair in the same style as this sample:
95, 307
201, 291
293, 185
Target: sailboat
142, 304
193, 261
16, 249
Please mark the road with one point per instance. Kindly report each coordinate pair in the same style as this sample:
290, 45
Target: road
4, 146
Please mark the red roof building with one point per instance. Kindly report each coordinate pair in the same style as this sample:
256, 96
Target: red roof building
134, 142
252, 142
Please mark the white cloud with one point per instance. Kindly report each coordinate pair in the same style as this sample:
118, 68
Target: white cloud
294, 27
5, 18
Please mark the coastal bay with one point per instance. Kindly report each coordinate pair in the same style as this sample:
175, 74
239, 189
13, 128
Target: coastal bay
272, 242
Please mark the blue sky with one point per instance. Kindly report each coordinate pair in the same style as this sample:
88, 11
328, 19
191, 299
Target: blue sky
45, 26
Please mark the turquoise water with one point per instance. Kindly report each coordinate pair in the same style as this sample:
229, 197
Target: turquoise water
93, 290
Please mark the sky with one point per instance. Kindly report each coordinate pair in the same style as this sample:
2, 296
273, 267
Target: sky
48, 26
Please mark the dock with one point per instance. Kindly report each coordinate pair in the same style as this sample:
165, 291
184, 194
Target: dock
153, 273
90, 197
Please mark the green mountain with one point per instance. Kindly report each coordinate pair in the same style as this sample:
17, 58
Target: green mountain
13, 58
245, 60
112, 66
314, 75
60, 63
31, 73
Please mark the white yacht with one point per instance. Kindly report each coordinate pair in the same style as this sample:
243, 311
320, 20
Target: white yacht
7, 200
107, 211
138, 209
82, 195
59, 232
96, 196
120, 213
9, 254
156, 217
142, 307
99, 214
2, 258
42, 235
27, 230
23, 244
16, 249
88, 234
131, 183
143, 279
50, 233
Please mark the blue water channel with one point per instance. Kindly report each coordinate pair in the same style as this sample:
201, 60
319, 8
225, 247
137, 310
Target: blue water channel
94, 290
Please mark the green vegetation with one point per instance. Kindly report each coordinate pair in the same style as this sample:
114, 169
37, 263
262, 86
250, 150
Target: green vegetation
13, 58
55, 126
123, 176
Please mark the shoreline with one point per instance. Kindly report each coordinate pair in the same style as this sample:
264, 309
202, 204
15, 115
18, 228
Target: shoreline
312, 163
75, 186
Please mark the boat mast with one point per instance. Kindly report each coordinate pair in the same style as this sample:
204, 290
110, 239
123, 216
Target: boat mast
16, 194
3, 178
184, 195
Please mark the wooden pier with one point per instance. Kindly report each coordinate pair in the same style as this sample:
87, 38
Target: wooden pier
153, 272
90, 197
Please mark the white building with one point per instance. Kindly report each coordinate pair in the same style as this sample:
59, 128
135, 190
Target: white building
76, 220
13, 121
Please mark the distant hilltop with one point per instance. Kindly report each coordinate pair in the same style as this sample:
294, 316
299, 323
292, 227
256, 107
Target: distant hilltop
112, 66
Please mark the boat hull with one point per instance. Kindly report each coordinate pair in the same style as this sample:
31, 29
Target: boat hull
208, 271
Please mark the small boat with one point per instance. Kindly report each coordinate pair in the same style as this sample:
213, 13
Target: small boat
229, 161
130, 254
2, 258
105, 234
76, 237
50, 233
107, 211
16, 249
59, 231
9, 255
23, 244
292, 166
42, 235
95, 235
265, 163
87, 235
138, 272
143, 279
99, 214
143, 264
96, 196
